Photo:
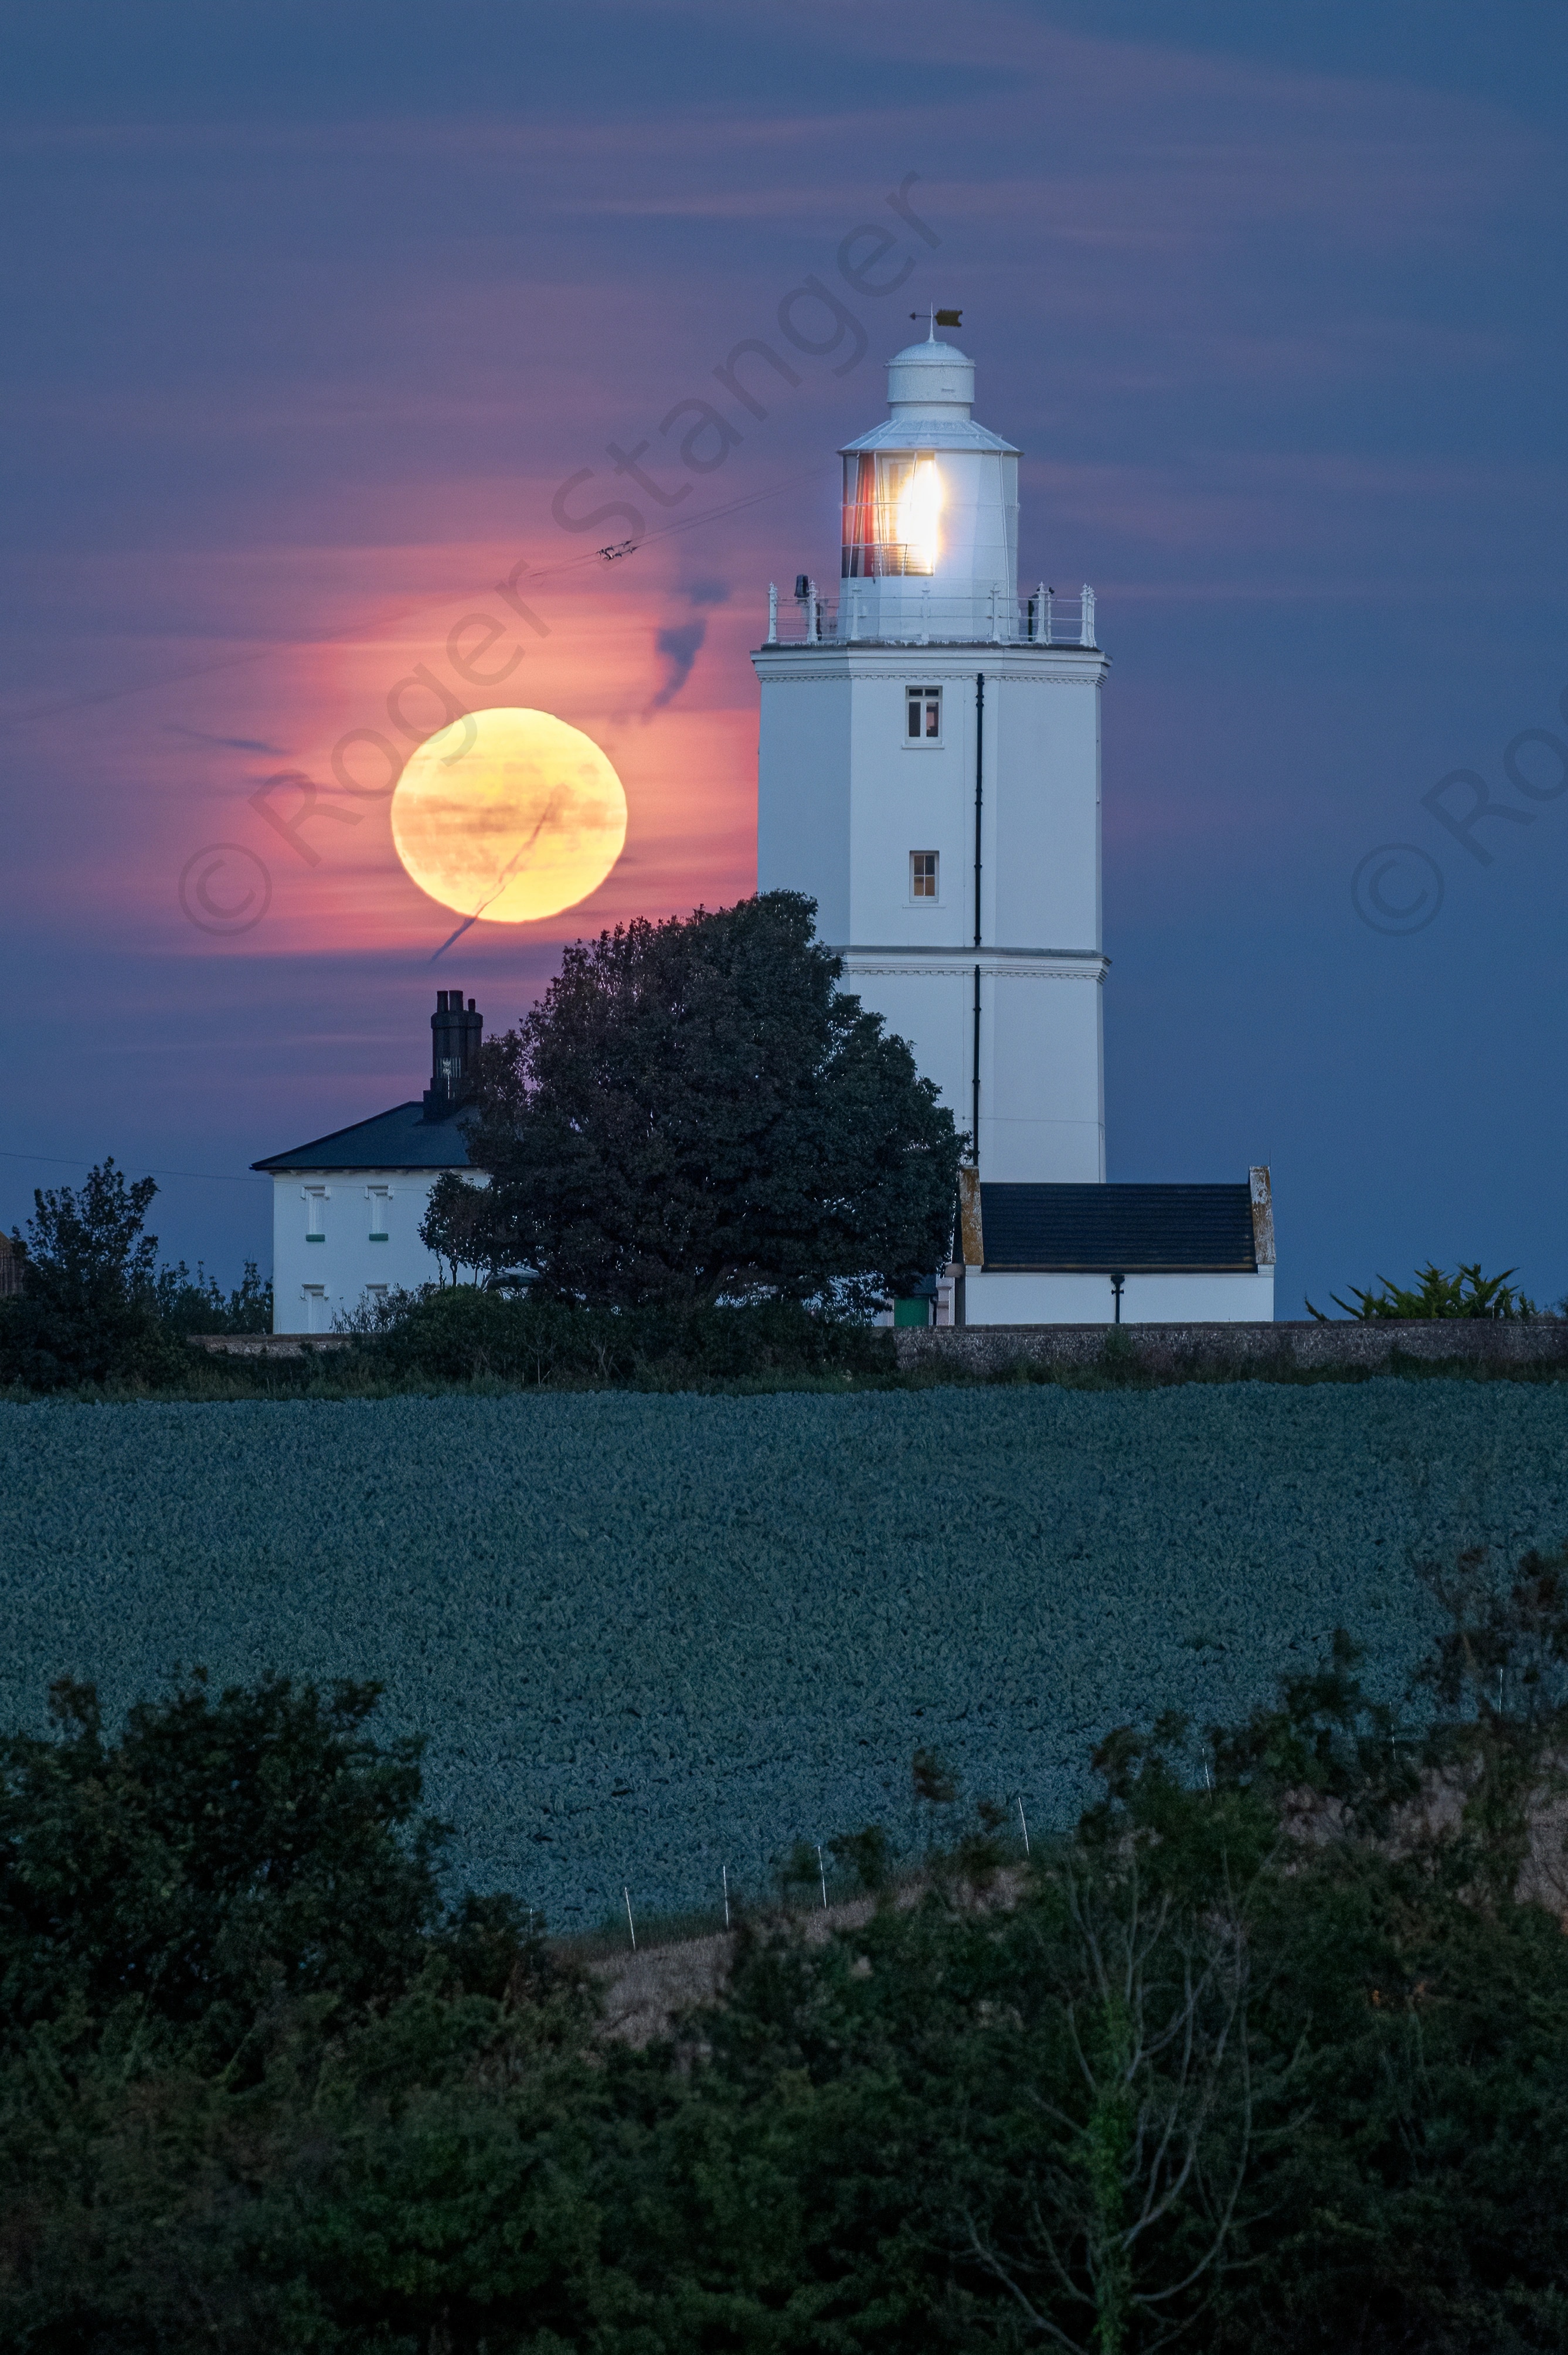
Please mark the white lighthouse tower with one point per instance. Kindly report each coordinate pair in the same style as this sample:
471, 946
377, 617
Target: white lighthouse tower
929, 773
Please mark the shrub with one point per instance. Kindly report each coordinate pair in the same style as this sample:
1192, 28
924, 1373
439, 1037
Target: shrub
466, 1332
88, 1311
1205, 2071
212, 1847
1466, 1292
94, 1307
194, 1304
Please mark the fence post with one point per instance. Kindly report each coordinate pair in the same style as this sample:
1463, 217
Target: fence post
773, 637
1086, 635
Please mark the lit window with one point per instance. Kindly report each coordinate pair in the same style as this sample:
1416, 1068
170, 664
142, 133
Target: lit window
892, 515
380, 1196
314, 1214
922, 874
922, 720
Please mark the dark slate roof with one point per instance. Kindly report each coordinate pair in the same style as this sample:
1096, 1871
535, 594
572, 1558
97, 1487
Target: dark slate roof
1117, 1230
400, 1139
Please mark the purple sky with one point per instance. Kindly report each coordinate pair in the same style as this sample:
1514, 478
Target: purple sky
311, 311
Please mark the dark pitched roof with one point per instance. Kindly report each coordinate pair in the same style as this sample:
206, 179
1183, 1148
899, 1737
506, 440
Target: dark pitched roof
1117, 1230
400, 1139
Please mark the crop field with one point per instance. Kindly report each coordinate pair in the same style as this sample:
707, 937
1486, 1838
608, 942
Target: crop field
648, 1636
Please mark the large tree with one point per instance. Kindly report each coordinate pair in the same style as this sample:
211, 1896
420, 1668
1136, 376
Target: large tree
695, 1109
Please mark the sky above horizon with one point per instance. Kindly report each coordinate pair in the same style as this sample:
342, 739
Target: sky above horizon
322, 323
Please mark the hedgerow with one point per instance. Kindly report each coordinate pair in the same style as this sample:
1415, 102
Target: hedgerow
651, 1635
458, 1333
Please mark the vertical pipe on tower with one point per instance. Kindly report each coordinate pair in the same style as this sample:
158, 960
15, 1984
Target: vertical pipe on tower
974, 1106
979, 800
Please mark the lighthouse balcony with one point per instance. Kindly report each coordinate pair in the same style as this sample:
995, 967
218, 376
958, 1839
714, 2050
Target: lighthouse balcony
905, 613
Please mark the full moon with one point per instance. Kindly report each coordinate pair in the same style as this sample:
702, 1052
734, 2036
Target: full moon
510, 815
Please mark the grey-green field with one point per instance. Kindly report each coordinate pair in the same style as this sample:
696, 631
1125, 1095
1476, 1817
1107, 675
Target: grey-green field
649, 1636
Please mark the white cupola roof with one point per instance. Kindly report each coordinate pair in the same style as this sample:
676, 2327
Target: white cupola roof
930, 377
931, 393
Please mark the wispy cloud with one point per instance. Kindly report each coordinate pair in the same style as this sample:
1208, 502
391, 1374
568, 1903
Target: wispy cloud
678, 646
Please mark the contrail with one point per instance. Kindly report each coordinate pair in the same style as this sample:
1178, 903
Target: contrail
504, 877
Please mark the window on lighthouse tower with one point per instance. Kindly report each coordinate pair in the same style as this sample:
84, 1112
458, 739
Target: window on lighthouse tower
923, 725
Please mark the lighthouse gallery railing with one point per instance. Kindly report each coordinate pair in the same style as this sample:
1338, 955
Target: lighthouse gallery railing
859, 615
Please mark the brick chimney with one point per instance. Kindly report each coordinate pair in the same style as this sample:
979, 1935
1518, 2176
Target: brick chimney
456, 1031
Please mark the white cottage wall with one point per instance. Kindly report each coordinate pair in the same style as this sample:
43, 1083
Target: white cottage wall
315, 1280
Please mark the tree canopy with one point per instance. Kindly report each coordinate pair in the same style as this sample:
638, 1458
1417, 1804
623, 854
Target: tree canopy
95, 1307
213, 1847
1270, 2050
694, 1111
89, 1306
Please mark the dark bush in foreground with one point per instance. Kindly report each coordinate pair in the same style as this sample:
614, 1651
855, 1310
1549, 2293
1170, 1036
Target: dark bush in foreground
215, 1853
1257, 2056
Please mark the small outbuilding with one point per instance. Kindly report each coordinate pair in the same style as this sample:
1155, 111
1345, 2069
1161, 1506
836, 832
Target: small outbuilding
1100, 1254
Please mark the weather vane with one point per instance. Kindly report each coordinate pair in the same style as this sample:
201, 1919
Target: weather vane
940, 318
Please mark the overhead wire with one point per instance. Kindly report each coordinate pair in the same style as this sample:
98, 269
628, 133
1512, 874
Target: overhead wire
400, 613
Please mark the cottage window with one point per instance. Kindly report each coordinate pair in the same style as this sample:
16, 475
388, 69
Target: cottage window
922, 874
380, 1196
314, 1214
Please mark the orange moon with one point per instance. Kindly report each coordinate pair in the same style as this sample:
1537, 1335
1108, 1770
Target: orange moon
509, 815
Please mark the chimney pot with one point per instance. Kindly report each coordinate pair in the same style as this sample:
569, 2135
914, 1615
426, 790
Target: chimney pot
454, 1036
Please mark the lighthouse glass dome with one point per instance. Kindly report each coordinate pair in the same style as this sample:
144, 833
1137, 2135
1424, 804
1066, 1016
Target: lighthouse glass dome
892, 515
930, 508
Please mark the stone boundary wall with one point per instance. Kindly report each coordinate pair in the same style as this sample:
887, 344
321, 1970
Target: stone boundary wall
1343, 1345
268, 1345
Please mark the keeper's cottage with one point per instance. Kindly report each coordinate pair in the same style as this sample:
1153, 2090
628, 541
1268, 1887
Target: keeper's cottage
929, 773
346, 1208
